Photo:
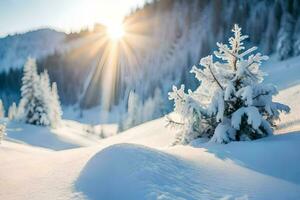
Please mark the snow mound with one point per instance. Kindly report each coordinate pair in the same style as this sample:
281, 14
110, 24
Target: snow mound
274, 156
127, 171
136, 172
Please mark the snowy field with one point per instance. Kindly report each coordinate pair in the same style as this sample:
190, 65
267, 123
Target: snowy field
69, 163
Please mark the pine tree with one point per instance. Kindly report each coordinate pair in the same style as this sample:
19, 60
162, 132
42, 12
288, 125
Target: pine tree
133, 111
2, 111
297, 38
28, 90
34, 105
285, 36
56, 111
12, 111
231, 103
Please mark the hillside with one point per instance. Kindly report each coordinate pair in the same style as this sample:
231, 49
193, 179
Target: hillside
140, 163
185, 31
15, 49
147, 167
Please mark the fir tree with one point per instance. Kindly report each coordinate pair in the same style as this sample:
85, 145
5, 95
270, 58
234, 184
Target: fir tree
34, 105
133, 111
45, 97
56, 111
12, 111
231, 103
285, 36
297, 38
2, 111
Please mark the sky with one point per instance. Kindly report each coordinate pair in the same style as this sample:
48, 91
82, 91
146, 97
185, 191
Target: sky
17, 16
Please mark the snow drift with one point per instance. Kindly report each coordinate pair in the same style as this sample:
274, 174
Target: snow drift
127, 171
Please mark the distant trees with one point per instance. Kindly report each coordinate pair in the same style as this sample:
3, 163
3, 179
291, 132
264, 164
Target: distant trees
133, 116
39, 101
139, 112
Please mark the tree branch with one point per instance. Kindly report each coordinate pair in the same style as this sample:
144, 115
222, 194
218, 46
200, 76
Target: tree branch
215, 77
261, 94
171, 121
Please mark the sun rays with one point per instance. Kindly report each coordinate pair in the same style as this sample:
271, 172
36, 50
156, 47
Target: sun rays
115, 31
117, 49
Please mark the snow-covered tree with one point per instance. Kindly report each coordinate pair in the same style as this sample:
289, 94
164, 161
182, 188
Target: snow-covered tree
231, 102
12, 111
46, 99
285, 36
2, 131
297, 38
34, 102
133, 111
2, 111
153, 106
56, 111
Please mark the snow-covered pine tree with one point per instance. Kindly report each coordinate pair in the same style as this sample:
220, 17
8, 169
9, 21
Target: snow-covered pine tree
231, 103
297, 38
29, 86
12, 111
33, 104
2, 132
285, 37
56, 111
153, 106
45, 96
2, 111
134, 111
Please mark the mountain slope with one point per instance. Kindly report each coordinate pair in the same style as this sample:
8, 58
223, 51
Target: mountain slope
157, 57
15, 49
140, 163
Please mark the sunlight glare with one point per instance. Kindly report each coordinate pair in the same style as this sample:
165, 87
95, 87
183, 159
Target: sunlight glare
115, 31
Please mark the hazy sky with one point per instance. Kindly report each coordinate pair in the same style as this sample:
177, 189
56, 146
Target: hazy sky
66, 15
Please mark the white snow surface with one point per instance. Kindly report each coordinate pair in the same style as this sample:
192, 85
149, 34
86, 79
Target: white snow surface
68, 163
140, 164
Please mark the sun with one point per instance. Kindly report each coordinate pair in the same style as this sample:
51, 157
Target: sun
115, 31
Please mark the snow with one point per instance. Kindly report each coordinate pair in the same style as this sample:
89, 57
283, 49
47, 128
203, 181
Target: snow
146, 167
254, 118
183, 172
42, 163
284, 74
37, 136
70, 134
290, 122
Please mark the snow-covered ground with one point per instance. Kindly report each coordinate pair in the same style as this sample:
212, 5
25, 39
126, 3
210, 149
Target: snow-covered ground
65, 163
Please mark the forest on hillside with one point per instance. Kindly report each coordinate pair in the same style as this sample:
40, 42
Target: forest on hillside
169, 37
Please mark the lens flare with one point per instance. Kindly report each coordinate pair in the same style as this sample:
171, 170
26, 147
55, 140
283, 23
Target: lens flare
115, 31
118, 47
